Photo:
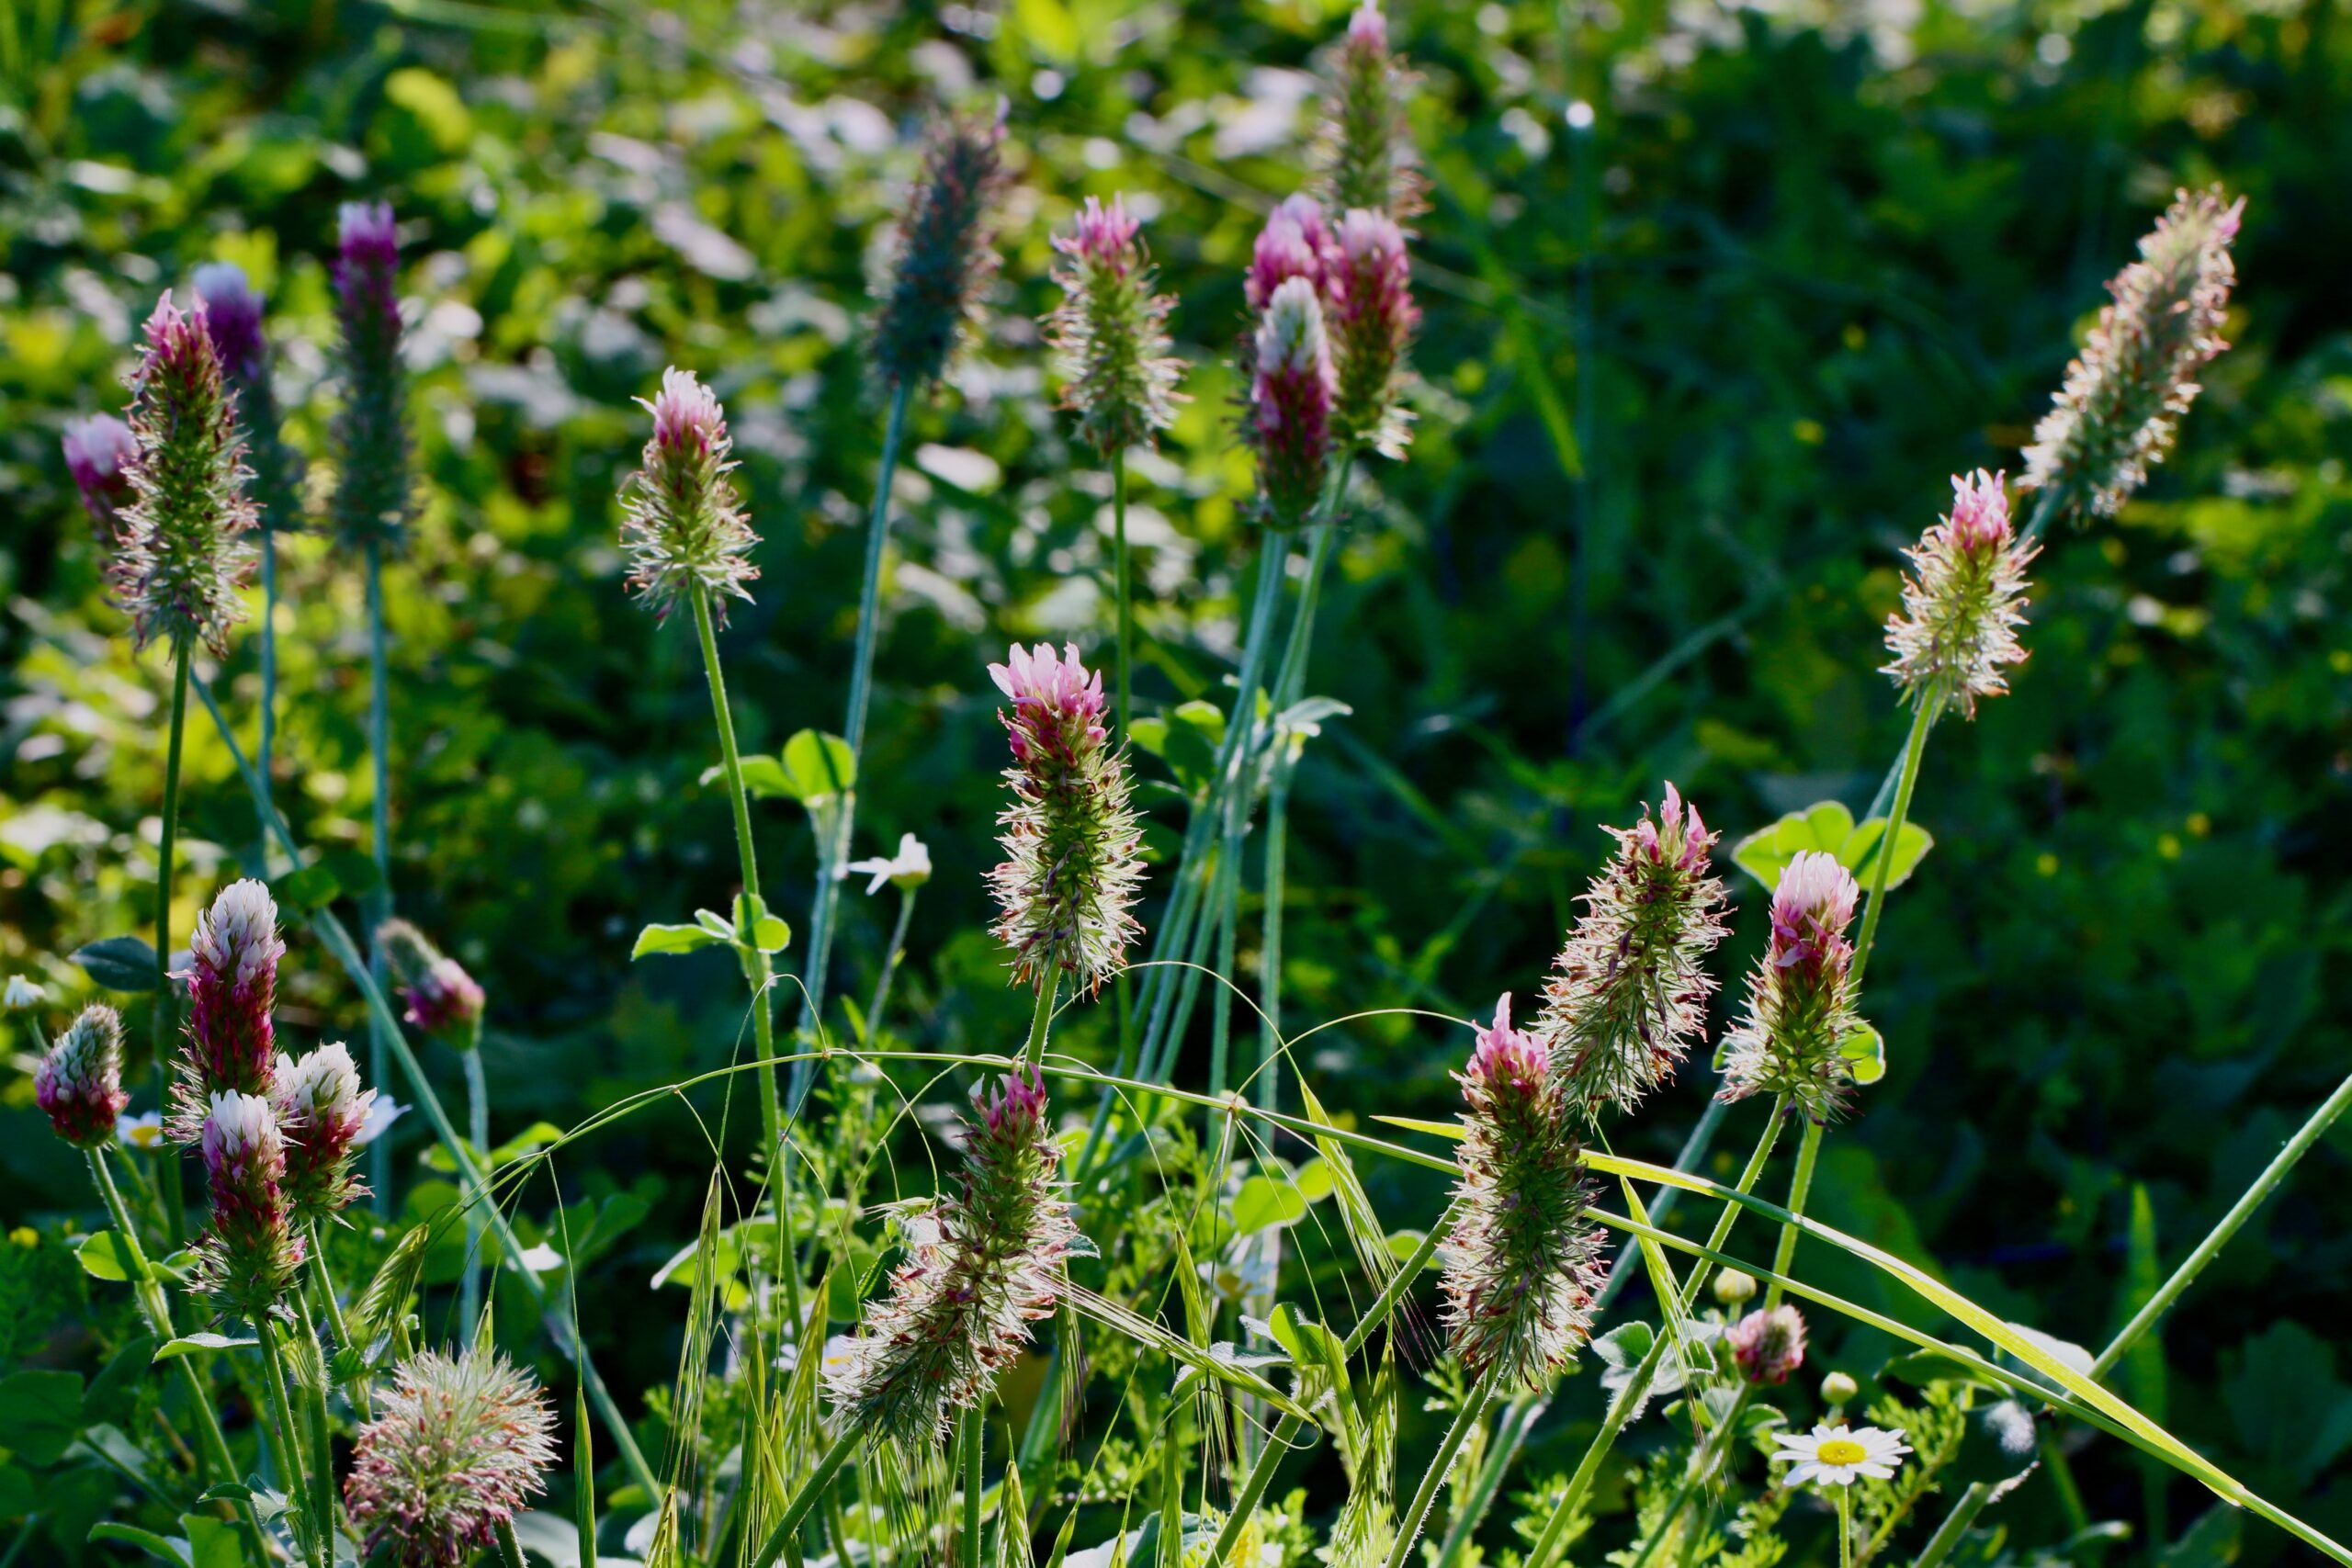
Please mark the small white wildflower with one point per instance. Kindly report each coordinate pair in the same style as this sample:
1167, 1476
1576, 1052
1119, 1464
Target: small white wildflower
907, 869
1835, 1456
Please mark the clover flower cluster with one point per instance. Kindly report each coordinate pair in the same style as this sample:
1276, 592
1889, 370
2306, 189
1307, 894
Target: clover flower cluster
1800, 997
2116, 414
1767, 1345
1072, 842
1110, 332
371, 503
456, 1445
1630, 989
236, 311
179, 551
321, 1110
1293, 387
247, 1261
681, 527
442, 999
232, 989
1521, 1262
98, 454
981, 1266
79, 1082
1365, 149
1963, 601
945, 254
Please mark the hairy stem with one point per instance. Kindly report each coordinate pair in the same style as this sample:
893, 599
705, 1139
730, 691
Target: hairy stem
890, 964
974, 1434
288, 1446
469, 1288
166, 1012
331, 1308
320, 1459
1049, 987
378, 907
1466, 1421
1906, 781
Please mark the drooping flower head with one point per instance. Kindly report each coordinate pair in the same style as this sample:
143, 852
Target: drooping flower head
98, 453
1110, 332
232, 989
1629, 992
680, 526
236, 311
1800, 1000
2114, 417
371, 504
981, 1266
442, 999
946, 253
1520, 1264
247, 1260
1963, 601
321, 1110
1295, 243
1840, 1455
1768, 1344
79, 1081
180, 553
456, 1445
1073, 866
1366, 150
1292, 390
1372, 316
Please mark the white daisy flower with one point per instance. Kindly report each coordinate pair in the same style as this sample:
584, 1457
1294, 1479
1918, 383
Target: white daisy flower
907, 869
144, 1131
1834, 1456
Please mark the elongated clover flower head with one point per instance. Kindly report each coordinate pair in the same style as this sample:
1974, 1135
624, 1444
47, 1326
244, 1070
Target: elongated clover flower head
1800, 1000
681, 527
321, 1110
983, 1264
2115, 415
456, 1445
1520, 1264
236, 311
1768, 1344
98, 454
1372, 317
945, 254
371, 504
1366, 150
1292, 387
442, 999
180, 552
1630, 991
1963, 601
247, 1261
1296, 242
79, 1081
232, 989
1072, 865
1110, 332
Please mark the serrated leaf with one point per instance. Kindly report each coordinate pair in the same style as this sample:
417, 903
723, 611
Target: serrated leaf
188, 1344
660, 938
119, 964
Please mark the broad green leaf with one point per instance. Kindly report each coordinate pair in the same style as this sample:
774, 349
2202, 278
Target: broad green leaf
672, 938
764, 778
110, 1390
1267, 1202
40, 1414
102, 1257
818, 767
1314, 1181
213, 1543
1865, 1055
166, 1547
119, 964
311, 887
1830, 828
188, 1344
770, 934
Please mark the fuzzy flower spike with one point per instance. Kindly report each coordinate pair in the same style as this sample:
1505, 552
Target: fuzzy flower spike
1800, 999
1073, 866
98, 453
1292, 390
371, 505
457, 1446
1963, 603
981, 1266
1372, 317
680, 526
180, 551
443, 999
1296, 242
79, 1081
247, 1261
321, 1109
1520, 1266
1110, 332
945, 254
236, 311
232, 988
1366, 150
1768, 1344
2115, 415
1631, 988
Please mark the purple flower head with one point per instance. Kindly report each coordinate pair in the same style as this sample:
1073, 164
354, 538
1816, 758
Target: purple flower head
1295, 243
372, 503
321, 1109
1368, 28
180, 554
680, 526
456, 1445
1018, 1109
1110, 332
232, 989
1811, 909
1768, 1344
247, 1261
1506, 1060
1800, 997
98, 453
1369, 288
1292, 387
366, 262
1073, 866
1103, 236
234, 310
442, 999
946, 253
79, 1081
1963, 601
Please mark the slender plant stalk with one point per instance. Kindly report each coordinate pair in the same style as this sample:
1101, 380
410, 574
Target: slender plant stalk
264, 750
166, 1012
510, 1548
1049, 987
286, 1441
1845, 1526
1289, 682
469, 1288
562, 1321
1799, 1190
1703, 1464
890, 965
861, 680
320, 1460
2219, 1236
330, 1309
843, 1448
1123, 587
379, 905
975, 1434
1466, 1421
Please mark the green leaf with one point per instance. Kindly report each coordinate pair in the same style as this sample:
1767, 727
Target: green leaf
1451, 1131
672, 938
1195, 729
40, 1414
102, 1257
111, 1388
770, 934
188, 1344
213, 1543
119, 964
816, 767
169, 1548
313, 888
1865, 1055
1266, 1204
1150, 733
1830, 828
1314, 1181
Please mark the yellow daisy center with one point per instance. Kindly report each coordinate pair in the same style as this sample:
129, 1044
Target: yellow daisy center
1841, 1450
